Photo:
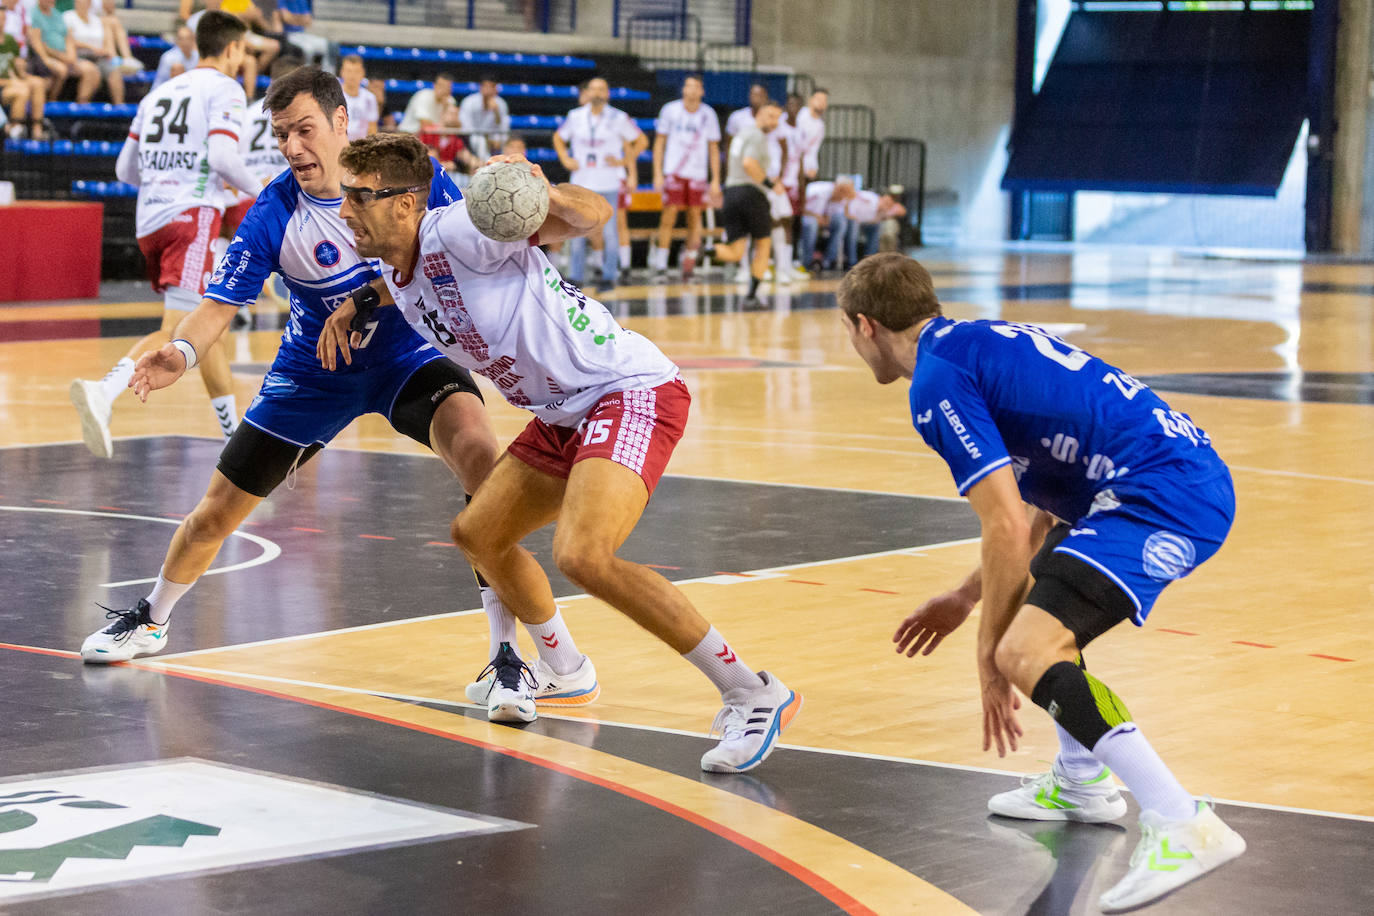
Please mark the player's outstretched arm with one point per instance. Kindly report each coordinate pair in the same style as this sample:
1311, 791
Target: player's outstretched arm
193, 335
344, 329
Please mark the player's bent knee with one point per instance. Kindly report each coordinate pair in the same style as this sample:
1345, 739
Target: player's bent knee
583, 565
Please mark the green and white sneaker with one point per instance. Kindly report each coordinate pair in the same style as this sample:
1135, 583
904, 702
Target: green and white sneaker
1053, 796
132, 634
1170, 854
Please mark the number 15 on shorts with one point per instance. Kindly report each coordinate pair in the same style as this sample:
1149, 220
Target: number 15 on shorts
598, 431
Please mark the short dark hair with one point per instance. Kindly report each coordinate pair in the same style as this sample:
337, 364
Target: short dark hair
444, 76
821, 89
321, 85
695, 76
351, 59
891, 289
401, 159
284, 65
487, 78
758, 84
216, 31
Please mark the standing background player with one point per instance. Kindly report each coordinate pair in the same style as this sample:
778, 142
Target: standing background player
1127, 495
686, 153
183, 146
747, 214
595, 143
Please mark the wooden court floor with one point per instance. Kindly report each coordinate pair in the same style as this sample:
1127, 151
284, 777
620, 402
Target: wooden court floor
1250, 676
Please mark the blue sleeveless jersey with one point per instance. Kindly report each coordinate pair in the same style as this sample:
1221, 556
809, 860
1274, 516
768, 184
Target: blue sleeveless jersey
986, 394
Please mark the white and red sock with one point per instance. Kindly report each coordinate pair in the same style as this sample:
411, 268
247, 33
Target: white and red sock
555, 644
715, 659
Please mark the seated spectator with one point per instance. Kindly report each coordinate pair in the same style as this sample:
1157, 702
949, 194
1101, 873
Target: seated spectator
105, 9
430, 107
485, 116
297, 16
19, 89
825, 206
262, 50
52, 53
387, 121
179, 58
866, 213
95, 42
515, 146
363, 106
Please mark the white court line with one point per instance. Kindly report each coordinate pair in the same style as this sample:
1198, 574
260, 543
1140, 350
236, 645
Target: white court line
811, 486
754, 575
270, 550
587, 720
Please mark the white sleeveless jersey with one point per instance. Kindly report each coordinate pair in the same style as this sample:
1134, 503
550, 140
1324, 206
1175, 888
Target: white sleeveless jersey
501, 310
690, 133
259, 150
173, 126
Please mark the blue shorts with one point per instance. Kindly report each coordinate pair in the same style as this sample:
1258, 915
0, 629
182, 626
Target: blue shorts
306, 405
1155, 527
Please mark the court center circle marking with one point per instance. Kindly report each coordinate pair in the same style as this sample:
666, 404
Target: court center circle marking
270, 549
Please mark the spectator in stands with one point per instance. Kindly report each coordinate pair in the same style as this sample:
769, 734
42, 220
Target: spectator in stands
515, 145
485, 116
431, 107
95, 42
19, 89
825, 206
297, 16
686, 150
594, 143
386, 120
52, 53
363, 108
262, 50
179, 58
865, 214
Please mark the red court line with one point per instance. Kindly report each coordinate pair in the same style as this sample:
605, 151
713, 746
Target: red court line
51, 502
440, 544
657, 566
804, 582
1333, 658
38, 650
377, 537
113, 508
798, 871
311, 530
1179, 632
1257, 645
880, 591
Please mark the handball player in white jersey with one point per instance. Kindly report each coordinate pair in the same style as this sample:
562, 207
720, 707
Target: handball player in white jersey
183, 146
609, 408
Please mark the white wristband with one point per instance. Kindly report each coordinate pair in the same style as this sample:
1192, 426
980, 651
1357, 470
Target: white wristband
187, 351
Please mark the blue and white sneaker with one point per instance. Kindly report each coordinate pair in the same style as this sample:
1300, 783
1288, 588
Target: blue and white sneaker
133, 634
749, 725
576, 688
510, 696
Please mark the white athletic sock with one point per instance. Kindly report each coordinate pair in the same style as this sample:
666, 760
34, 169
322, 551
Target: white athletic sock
625, 258
500, 621
227, 413
718, 662
1131, 758
163, 598
661, 258
555, 644
116, 380
1076, 761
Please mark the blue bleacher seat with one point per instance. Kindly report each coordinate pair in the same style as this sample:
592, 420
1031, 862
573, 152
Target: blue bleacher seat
508, 90
103, 189
491, 58
151, 42
89, 110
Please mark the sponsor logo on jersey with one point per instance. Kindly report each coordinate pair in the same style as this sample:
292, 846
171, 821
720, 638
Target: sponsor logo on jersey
326, 254
924, 417
960, 430
1167, 556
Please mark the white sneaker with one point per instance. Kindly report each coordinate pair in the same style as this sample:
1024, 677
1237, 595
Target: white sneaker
576, 688
94, 411
1054, 796
749, 725
743, 274
510, 696
785, 276
1170, 854
132, 634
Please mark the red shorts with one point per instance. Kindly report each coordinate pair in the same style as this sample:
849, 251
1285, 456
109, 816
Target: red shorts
179, 253
794, 195
683, 192
625, 198
233, 217
637, 428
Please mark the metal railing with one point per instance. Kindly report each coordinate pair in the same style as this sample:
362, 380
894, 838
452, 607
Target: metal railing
902, 161
668, 41
850, 146
542, 16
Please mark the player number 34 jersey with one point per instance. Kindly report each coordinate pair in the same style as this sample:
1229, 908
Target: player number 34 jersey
501, 310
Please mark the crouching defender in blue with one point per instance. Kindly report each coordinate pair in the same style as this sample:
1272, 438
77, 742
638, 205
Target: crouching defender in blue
1127, 495
295, 229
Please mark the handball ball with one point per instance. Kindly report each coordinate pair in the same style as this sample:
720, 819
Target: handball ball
507, 201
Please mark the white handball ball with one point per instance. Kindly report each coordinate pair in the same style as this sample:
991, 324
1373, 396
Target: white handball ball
507, 201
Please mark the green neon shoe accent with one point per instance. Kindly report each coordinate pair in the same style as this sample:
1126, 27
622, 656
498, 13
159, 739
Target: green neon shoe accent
1158, 857
1050, 799
1105, 774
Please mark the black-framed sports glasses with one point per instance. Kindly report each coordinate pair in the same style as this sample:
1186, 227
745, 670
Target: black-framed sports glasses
362, 197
